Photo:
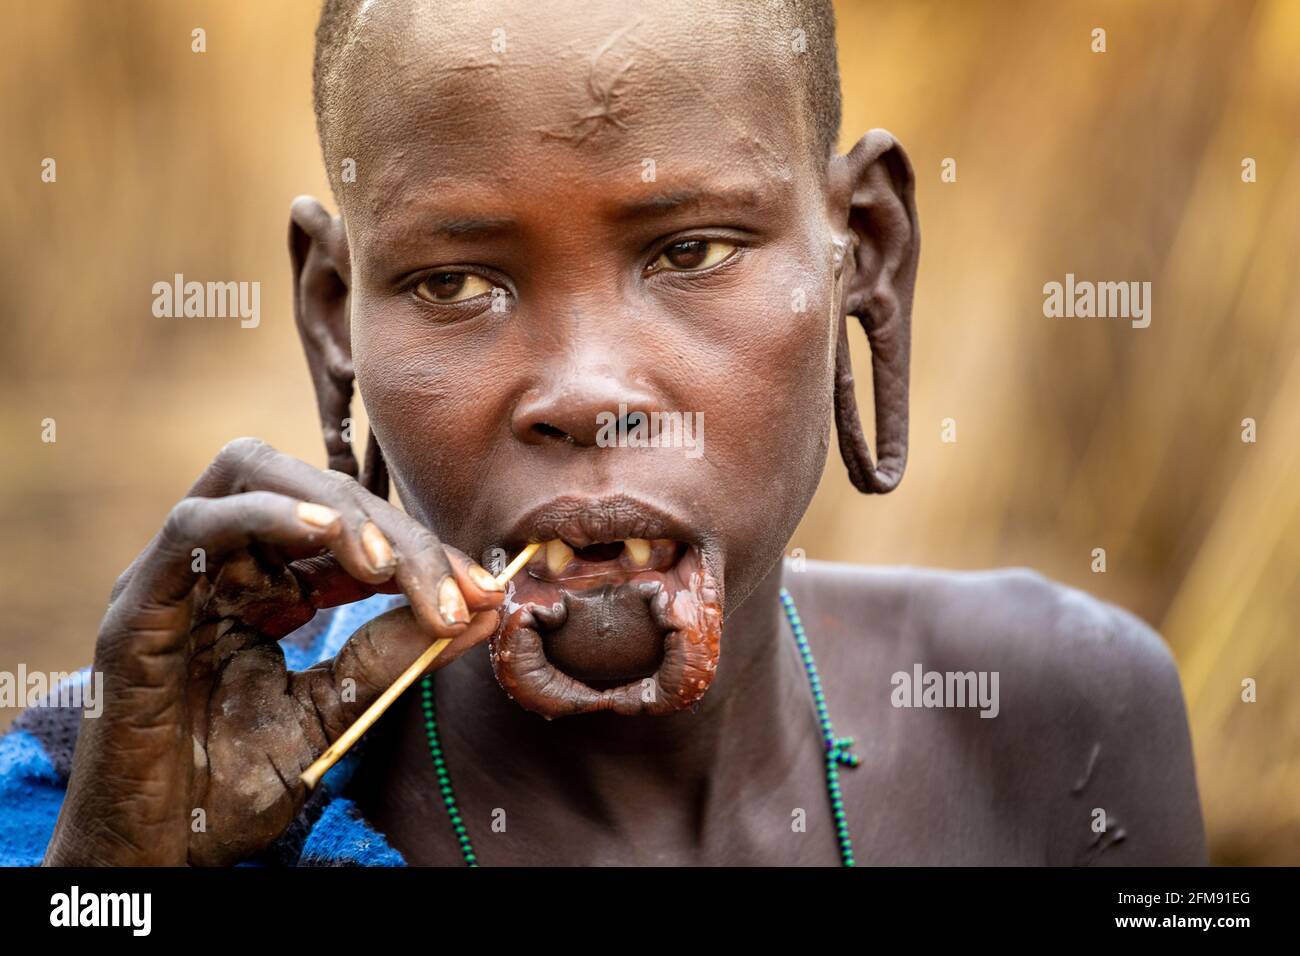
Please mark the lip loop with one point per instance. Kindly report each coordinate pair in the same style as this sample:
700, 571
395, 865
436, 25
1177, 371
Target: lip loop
685, 608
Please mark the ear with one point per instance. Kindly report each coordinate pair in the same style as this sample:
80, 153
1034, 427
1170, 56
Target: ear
321, 274
873, 195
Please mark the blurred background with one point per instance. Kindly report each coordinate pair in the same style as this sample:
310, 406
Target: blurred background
1072, 434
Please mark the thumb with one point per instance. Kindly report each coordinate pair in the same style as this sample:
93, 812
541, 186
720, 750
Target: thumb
372, 659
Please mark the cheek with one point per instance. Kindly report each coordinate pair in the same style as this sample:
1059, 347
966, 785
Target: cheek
768, 388
771, 349
427, 398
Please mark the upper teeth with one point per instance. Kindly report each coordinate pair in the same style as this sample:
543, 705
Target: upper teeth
559, 554
639, 550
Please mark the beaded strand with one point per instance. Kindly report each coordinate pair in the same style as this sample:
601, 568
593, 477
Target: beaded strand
837, 748
444, 776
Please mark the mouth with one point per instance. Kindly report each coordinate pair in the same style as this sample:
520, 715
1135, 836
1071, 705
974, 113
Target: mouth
619, 610
604, 562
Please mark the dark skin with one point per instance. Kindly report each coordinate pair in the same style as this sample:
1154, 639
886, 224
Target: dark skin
673, 294
1091, 716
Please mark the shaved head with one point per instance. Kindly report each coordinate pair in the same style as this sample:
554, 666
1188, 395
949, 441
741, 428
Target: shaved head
794, 39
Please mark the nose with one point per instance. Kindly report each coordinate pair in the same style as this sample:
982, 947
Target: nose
579, 403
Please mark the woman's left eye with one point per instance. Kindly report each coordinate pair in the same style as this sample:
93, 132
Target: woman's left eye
443, 288
692, 255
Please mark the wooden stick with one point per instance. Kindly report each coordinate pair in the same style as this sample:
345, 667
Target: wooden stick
311, 776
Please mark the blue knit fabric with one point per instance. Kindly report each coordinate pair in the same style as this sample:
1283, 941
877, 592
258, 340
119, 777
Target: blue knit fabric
33, 776
341, 837
31, 793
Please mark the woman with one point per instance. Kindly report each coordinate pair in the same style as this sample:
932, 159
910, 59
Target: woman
578, 216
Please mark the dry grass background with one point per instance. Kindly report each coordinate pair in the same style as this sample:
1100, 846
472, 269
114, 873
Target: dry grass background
1072, 434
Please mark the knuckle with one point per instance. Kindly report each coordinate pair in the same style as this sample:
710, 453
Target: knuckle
345, 484
241, 450
340, 479
120, 584
181, 519
348, 493
246, 457
119, 588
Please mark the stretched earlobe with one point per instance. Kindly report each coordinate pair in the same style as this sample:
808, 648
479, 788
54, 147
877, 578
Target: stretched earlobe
891, 399
321, 273
879, 282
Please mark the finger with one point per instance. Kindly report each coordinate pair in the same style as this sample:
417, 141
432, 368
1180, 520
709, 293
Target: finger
423, 572
325, 583
336, 692
459, 588
379, 541
443, 585
479, 586
445, 588
216, 527
248, 464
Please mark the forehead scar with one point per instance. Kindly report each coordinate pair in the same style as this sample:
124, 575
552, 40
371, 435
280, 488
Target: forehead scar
776, 163
606, 87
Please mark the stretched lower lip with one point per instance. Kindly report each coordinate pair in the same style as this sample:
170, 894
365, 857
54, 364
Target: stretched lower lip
647, 643
597, 580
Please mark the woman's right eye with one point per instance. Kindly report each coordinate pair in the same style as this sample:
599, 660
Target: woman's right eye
445, 288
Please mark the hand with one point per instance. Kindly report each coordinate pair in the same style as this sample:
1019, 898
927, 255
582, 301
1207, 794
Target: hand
197, 753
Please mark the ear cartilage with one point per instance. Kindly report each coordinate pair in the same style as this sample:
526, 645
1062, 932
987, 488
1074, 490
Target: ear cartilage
312, 775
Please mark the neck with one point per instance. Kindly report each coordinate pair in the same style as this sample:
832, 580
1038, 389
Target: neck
742, 724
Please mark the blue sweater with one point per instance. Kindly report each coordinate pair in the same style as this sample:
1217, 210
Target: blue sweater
36, 757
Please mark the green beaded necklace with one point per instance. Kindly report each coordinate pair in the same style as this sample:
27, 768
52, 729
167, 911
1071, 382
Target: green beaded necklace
837, 749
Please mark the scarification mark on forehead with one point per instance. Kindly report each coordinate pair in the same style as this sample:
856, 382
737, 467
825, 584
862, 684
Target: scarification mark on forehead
605, 86
607, 82
361, 38
354, 33
776, 161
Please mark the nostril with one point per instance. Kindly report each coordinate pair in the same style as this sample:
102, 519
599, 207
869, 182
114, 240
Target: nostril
550, 431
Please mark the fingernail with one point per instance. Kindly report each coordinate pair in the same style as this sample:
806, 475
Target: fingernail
318, 516
451, 603
378, 550
480, 576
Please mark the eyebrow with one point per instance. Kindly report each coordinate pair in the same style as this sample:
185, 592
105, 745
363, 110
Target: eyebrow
663, 203
471, 226
660, 204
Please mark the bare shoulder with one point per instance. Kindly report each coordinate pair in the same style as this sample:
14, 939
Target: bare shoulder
1098, 655
1078, 700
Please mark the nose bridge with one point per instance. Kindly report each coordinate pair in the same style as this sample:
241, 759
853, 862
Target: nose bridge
590, 364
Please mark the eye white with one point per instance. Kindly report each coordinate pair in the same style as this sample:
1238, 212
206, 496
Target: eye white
443, 288
715, 250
